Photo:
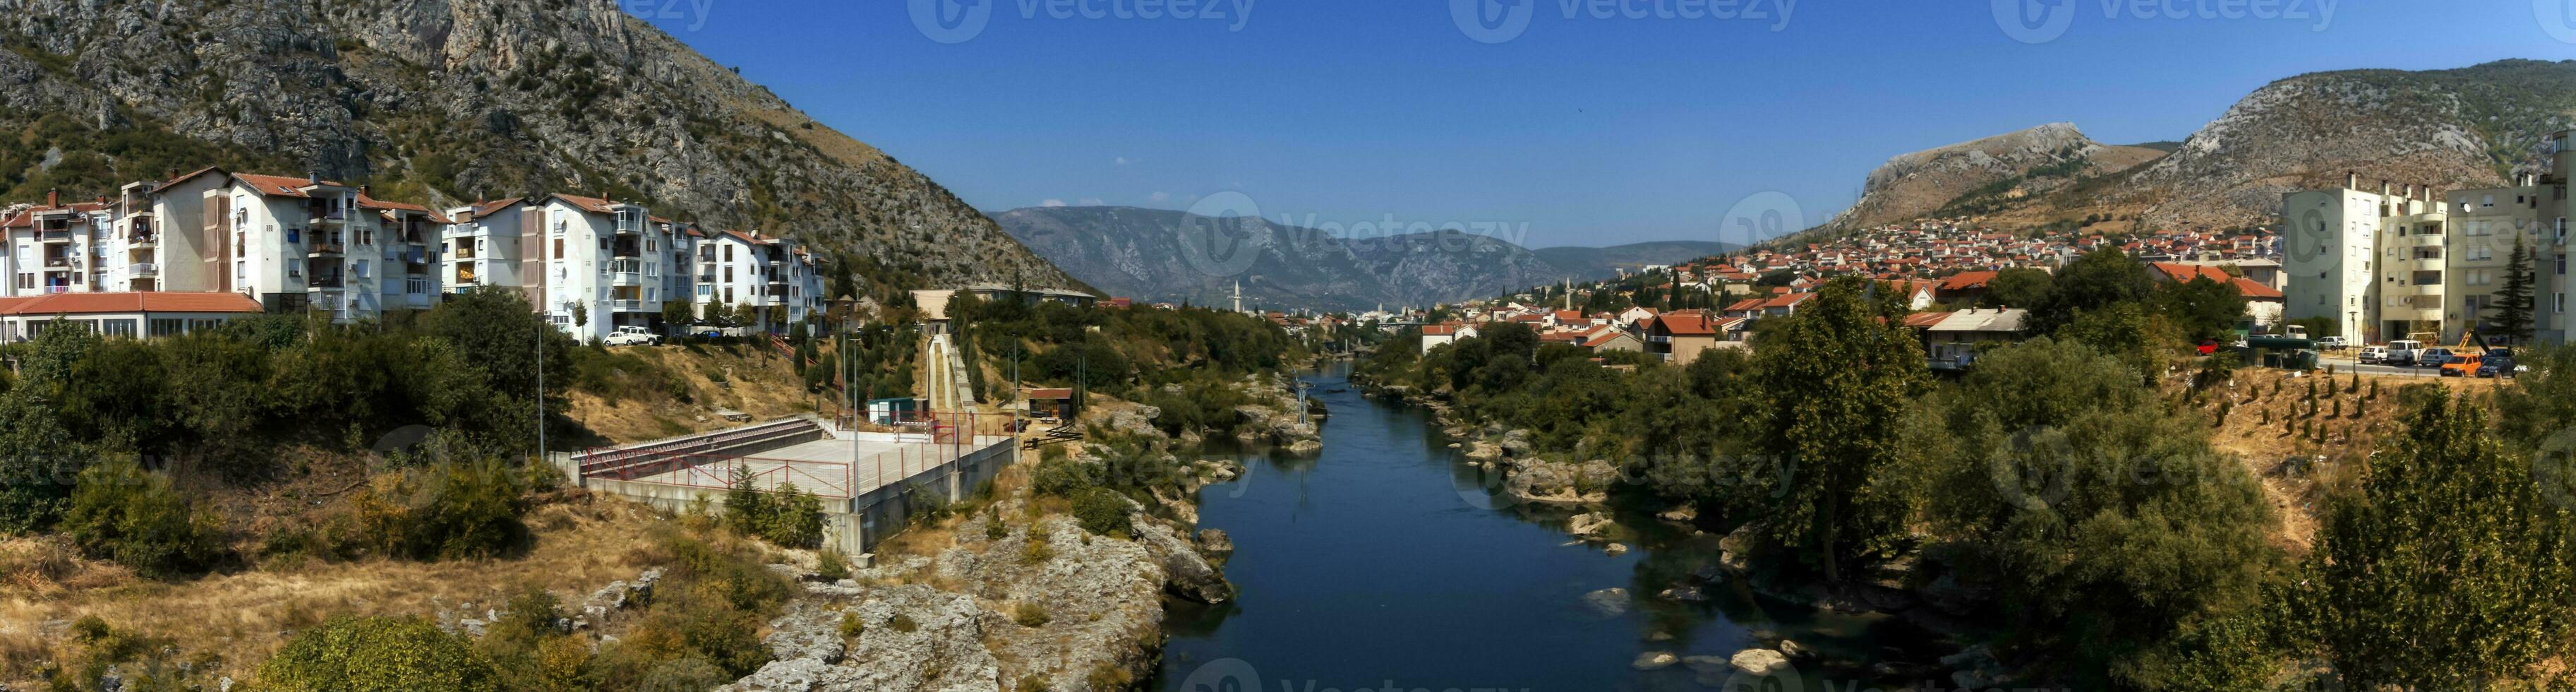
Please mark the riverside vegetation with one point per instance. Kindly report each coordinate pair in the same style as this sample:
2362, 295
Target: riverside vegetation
202, 465
2062, 506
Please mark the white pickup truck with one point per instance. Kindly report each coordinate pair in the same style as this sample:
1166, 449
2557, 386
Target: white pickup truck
633, 336
2402, 352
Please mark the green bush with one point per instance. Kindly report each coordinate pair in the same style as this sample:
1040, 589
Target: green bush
787, 517
1063, 477
353, 654
832, 565
1102, 511
1030, 614
448, 511
120, 513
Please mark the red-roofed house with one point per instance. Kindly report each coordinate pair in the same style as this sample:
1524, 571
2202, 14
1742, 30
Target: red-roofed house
1964, 286
1440, 334
2176, 272
1680, 336
126, 314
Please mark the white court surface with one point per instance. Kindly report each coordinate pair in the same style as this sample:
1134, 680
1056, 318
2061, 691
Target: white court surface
824, 467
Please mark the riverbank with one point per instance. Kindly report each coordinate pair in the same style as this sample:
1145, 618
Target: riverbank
1599, 504
1392, 557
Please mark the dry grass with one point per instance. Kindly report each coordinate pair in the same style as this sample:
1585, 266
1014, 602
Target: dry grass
2298, 469
239, 619
758, 381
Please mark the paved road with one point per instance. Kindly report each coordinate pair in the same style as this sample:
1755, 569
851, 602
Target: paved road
2344, 365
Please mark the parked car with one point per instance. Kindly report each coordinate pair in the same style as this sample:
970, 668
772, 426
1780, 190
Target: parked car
2332, 343
2499, 363
2463, 365
2402, 351
633, 336
2434, 357
2374, 354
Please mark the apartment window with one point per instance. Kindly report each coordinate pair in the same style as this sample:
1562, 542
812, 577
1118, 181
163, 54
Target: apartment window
2562, 302
2562, 265
728, 253
166, 327
121, 328
559, 248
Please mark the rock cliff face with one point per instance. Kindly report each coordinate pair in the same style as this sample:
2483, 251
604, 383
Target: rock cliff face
1982, 175
2447, 129
2450, 129
446, 100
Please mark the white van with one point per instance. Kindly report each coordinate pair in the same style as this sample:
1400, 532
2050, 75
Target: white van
2403, 351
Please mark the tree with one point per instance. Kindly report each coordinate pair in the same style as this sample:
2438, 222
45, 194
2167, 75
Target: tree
2017, 287
2511, 313
1836, 380
2068, 475
120, 513
2450, 569
677, 312
2201, 308
580, 314
2096, 280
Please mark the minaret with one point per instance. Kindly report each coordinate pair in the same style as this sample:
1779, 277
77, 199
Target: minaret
1238, 296
1569, 293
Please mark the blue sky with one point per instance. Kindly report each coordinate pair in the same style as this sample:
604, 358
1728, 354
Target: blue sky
1578, 130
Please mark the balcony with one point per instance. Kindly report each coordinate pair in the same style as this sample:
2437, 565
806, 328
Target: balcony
330, 216
142, 240
321, 248
58, 262
142, 269
465, 275
630, 306
325, 284
418, 287
54, 235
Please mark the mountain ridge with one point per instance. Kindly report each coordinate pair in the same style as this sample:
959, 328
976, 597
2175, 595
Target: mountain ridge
1171, 255
447, 101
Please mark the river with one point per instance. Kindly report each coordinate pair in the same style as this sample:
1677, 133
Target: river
1383, 562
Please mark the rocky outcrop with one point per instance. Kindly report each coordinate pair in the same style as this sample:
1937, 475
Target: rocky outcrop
1921, 183
1045, 601
1560, 483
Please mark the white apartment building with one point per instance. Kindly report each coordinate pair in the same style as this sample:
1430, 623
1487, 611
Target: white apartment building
758, 276
290, 243
2409, 262
604, 265
56, 248
481, 246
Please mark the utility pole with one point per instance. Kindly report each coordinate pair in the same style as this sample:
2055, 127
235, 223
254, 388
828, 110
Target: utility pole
541, 392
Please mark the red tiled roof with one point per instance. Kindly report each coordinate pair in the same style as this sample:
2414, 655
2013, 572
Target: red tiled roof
590, 204
127, 302
279, 185
1967, 280
1925, 319
2255, 289
2185, 272
1747, 304
1686, 324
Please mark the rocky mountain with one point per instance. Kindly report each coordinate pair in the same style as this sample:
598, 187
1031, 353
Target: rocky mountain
2467, 127
2448, 129
440, 101
1981, 176
1161, 254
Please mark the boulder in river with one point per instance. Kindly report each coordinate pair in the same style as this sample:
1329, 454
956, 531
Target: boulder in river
1214, 543
1758, 661
1685, 594
1607, 603
1654, 660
